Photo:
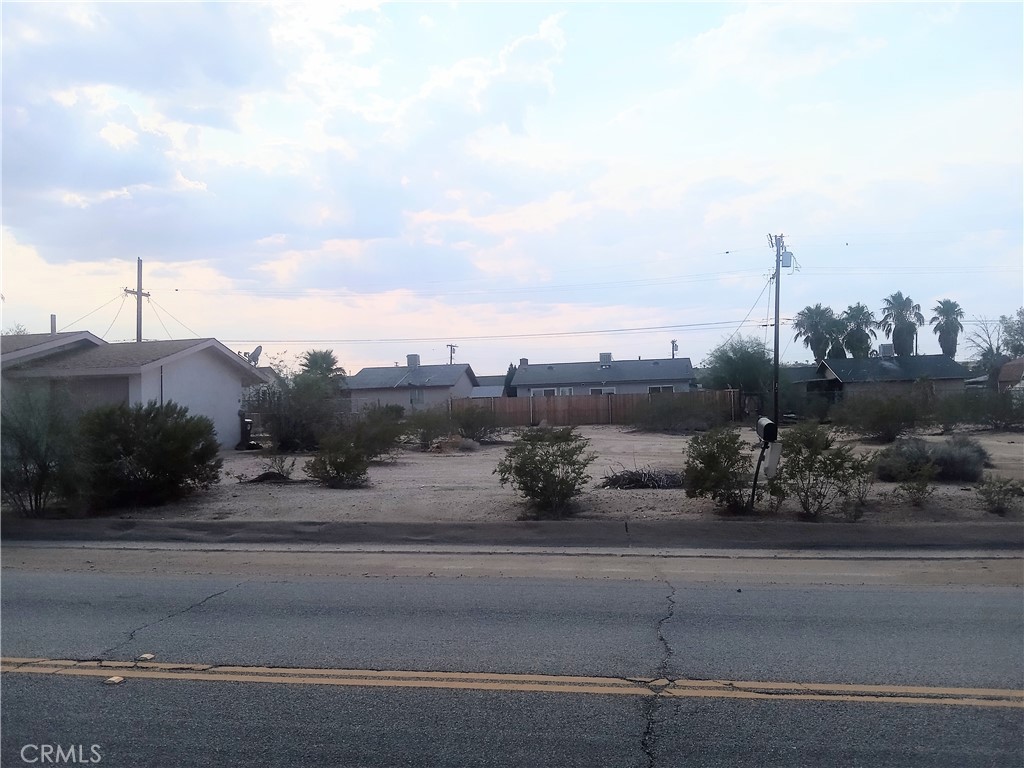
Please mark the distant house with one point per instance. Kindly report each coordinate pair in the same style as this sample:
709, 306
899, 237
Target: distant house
888, 376
604, 376
415, 387
489, 386
1011, 375
201, 374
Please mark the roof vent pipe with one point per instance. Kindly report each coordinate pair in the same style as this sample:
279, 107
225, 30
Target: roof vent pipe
413, 361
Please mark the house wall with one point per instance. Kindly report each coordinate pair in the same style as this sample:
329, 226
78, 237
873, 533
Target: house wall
206, 384
411, 398
938, 388
621, 388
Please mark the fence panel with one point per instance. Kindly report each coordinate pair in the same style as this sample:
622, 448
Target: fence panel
576, 410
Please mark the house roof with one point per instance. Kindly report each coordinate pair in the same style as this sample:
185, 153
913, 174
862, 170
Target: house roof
798, 373
418, 376
1012, 372
491, 381
910, 368
595, 372
25, 346
488, 390
125, 358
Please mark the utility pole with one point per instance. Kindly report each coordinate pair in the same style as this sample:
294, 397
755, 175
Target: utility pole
451, 352
675, 348
138, 293
780, 253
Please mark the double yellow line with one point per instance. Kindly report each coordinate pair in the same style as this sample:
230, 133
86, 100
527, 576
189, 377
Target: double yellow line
480, 681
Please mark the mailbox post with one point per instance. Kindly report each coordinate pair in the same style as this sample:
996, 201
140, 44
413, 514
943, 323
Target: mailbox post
768, 431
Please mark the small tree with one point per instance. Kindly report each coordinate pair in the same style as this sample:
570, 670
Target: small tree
718, 466
741, 363
339, 463
476, 423
548, 466
814, 471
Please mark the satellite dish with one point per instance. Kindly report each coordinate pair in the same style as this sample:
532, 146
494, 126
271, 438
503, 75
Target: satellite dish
254, 356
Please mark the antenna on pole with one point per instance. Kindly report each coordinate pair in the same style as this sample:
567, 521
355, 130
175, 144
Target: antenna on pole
138, 293
451, 352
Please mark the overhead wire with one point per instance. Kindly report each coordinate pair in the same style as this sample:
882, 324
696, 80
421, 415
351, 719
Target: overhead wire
153, 306
124, 296
165, 309
744, 320
119, 296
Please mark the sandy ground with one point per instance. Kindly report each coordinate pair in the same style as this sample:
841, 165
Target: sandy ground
453, 485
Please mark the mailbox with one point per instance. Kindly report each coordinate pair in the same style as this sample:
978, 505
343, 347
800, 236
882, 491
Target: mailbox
767, 430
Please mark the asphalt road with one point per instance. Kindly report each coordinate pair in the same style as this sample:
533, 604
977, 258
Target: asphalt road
420, 670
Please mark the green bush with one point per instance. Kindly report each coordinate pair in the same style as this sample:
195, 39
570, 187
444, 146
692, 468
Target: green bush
879, 418
718, 467
430, 425
37, 461
668, 413
813, 470
379, 430
476, 423
338, 463
960, 459
146, 454
917, 487
548, 466
902, 460
1000, 495
863, 471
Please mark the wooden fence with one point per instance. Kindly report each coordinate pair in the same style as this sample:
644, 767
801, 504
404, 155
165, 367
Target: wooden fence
576, 410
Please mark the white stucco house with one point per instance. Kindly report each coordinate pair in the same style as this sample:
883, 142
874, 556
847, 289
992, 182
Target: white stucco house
201, 374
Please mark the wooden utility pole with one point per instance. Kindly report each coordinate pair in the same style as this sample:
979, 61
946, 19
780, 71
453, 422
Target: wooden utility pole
138, 293
451, 352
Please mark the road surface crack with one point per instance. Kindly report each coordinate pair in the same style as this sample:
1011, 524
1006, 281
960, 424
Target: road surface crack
652, 706
131, 634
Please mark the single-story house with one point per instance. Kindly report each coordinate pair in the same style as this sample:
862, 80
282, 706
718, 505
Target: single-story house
489, 386
201, 374
1011, 375
604, 377
415, 387
888, 376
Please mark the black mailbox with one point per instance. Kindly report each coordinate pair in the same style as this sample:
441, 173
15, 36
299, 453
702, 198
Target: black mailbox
767, 430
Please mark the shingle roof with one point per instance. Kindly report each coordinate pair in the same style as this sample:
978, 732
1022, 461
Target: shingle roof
111, 356
492, 381
418, 376
910, 368
488, 390
1012, 372
617, 371
27, 343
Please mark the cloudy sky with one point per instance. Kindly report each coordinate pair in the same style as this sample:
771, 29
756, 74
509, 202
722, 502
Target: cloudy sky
548, 181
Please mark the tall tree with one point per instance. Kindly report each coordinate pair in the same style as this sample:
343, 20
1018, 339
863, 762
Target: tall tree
321, 363
947, 325
987, 341
741, 363
901, 318
816, 326
859, 322
1013, 332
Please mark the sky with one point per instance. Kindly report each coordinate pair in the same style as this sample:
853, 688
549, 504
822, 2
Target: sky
527, 180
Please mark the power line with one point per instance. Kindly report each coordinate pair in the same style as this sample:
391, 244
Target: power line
123, 297
119, 296
150, 301
175, 319
744, 320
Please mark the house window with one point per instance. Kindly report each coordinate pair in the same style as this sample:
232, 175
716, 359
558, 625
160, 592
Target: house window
602, 390
665, 388
416, 397
565, 390
543, 393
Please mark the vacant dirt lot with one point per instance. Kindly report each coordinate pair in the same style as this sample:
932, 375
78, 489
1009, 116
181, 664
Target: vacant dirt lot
460, 486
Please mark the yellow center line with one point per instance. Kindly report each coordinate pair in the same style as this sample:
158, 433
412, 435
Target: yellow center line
485, 681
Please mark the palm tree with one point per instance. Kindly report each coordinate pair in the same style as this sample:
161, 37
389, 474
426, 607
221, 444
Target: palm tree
946, 320
860, 330
321, 363
834, 332
900, 320
816, 326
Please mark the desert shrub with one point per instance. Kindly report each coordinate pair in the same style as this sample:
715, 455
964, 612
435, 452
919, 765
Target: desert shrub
379, 430
338, 463
863, 471
960, 459
548, 466
146, 454
278, 463
1000, 494
300, 411
814, 470
668, 413
37, 460
642, 477
917, 487
476, 423
718, 467
429, 425
1001, 410
902, 460
879, 418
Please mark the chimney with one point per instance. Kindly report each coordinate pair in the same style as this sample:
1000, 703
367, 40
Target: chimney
606, 358
523, 362
413, 361
53, 323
